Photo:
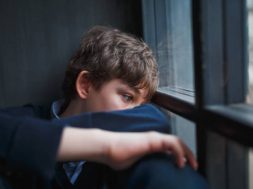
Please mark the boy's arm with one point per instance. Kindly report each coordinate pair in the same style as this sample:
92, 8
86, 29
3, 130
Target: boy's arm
120, 150
31, 145
142, 118
28, 144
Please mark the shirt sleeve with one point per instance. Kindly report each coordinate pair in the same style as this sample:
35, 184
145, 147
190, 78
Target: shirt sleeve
28, 145
142, 118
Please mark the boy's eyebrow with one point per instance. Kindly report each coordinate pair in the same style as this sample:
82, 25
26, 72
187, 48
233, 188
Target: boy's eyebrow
127, 87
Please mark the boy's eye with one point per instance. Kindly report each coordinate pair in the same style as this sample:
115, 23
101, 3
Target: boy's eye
127, 97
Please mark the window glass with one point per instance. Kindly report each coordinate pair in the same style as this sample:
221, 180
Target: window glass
250, 76
250, 50
168, 30
185, 130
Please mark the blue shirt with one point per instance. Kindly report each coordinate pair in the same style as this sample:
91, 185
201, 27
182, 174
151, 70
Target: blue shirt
72, 169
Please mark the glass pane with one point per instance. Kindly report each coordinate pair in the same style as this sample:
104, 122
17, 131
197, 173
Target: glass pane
251, 168
168, 30
249, 151
250, 72
226, 162
185, 130
250, 50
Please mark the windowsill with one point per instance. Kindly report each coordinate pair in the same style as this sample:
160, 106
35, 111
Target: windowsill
241, 113
234, 121
182, 94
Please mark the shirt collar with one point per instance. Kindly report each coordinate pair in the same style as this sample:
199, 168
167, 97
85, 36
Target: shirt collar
55, 108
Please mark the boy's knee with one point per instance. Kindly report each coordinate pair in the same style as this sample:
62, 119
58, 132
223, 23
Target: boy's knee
159, 171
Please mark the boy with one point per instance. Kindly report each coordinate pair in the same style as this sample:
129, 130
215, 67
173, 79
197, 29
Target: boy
24, 148
29, 146
111, 71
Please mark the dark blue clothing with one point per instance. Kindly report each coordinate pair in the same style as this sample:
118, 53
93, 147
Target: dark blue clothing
28, 146
73, 168
141, 118
156, 171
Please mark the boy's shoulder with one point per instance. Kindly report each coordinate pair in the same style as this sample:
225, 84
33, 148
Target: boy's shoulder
30, 110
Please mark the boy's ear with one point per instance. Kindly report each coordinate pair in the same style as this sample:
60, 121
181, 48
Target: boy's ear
82, 84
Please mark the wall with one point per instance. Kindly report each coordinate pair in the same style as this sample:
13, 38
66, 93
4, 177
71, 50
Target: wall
37, 38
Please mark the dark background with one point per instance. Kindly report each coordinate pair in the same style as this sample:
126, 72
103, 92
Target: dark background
38, 37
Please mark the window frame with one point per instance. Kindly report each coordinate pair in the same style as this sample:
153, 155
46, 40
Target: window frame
220, 75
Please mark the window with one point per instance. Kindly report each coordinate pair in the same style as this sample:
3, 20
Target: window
203, 60
172, 45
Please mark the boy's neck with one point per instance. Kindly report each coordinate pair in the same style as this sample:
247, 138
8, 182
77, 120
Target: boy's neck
74, 108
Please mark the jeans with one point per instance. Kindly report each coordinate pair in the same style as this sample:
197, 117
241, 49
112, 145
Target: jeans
156, 171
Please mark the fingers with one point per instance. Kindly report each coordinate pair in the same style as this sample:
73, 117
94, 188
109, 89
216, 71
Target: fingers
181, 152
175, 146
129, 147
190, 157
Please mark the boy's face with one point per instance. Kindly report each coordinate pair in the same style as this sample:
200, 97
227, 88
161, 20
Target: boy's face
114, 95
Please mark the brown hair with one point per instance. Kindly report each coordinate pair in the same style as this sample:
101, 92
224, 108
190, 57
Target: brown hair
108, 53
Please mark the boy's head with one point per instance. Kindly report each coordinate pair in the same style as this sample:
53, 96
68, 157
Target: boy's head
106, 55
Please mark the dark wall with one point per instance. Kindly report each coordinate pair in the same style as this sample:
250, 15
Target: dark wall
37, 38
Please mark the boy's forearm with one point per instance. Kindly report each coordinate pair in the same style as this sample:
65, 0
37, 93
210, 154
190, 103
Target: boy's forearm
119, 150
82, 144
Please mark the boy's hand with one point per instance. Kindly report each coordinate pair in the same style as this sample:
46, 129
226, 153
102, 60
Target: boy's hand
126, 148
120, 150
